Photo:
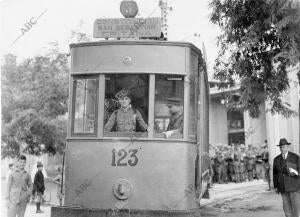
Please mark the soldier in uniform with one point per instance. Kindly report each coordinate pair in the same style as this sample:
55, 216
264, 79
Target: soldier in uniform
125, 118
237, 172
266, 165
243, 164
217, 166
18, 189
250, 167
230, 169
176, 120
224, 170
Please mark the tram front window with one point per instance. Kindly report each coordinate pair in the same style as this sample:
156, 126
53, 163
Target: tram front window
168, 113
85, 105
126, 105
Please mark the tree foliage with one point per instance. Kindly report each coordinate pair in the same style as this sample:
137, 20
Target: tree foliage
260, 39
34, 104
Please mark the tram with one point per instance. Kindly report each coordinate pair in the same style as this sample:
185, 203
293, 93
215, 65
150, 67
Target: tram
112, 169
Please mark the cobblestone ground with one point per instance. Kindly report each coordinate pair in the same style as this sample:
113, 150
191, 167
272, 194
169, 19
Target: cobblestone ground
247, 199
263, 204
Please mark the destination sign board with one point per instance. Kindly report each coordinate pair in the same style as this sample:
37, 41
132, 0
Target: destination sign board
127, 27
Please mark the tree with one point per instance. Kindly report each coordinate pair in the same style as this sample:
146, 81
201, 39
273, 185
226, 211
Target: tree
34, 104
260, 39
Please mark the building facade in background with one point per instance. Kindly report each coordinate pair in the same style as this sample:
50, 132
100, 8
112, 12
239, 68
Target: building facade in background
234, 127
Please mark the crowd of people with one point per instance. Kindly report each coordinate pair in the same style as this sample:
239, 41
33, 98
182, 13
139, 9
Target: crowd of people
238, 163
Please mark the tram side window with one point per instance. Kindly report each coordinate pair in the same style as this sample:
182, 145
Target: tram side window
168, 111
126, 105
84, 105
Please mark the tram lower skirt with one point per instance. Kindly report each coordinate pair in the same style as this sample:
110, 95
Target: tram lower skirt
62, 211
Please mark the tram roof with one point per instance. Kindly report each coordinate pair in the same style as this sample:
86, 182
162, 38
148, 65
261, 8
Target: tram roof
137, 42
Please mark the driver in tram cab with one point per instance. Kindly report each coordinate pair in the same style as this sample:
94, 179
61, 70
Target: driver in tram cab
125, 118
175, 106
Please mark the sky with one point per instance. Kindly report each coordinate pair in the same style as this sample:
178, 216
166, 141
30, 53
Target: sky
53, 21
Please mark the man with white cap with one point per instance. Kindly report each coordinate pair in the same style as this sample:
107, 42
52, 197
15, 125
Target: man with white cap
286, 178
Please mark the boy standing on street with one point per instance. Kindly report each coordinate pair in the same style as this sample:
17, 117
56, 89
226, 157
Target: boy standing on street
39, 187
18, 190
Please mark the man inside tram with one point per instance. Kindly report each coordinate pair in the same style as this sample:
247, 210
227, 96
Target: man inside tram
175, 106
126, 118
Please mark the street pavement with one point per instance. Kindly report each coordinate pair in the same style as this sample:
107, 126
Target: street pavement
220, 192
247, 199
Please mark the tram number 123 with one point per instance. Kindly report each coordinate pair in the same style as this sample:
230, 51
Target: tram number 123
120, 158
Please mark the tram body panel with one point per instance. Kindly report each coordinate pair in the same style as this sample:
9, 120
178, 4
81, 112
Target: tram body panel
129, 58
162, 179
168, 175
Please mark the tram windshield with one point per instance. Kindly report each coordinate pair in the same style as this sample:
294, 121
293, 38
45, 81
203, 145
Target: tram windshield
85, 105
126, 109
168, 112
126, 105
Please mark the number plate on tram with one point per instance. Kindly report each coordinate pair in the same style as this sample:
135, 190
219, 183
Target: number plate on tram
123, 157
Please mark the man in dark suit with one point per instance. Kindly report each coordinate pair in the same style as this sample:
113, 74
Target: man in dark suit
286, 178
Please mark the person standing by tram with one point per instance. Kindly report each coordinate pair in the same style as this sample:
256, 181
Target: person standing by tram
176, 120
58, 180
39, 187
125, 118
19, 188
266, 164
286, 178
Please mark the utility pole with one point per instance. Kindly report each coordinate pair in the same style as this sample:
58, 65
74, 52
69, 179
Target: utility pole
163, 4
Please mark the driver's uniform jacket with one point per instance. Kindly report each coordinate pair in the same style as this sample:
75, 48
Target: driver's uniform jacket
125, 120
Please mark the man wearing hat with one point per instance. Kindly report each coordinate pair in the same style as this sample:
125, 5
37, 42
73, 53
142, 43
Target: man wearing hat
39, 186
176, 120
125, 118
286, 178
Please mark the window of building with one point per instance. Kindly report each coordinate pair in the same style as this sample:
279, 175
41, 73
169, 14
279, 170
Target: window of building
235, 120
168, 109
126, 105
85, 105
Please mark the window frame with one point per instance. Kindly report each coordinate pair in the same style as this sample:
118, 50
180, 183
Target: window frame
99, 108
109, 135
184, 136
84, 77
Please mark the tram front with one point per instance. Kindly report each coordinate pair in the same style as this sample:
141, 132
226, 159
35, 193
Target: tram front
138, 130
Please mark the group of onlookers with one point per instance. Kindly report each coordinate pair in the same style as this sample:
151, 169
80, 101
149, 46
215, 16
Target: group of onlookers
21, 187
239, 164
